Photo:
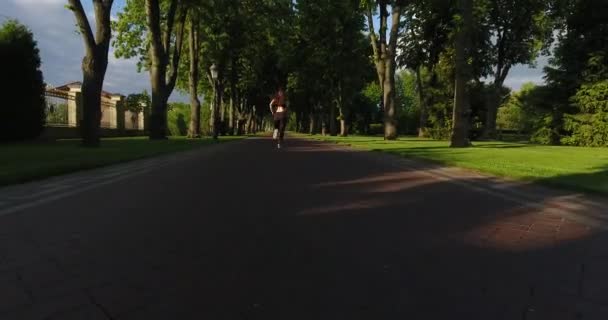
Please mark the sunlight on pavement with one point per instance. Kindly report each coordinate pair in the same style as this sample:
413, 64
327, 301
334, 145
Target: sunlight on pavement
393, 182
343, 208
526, 228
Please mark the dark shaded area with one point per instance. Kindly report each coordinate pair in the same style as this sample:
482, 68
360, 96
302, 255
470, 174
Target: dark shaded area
181, 124
307, 232
22, 110
587, 182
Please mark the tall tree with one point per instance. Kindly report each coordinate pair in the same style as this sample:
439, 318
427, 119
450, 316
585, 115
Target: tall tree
429, 24
164, 60
384, 54
94, 64
521, 29
194, 129
462, 44
330, 63
154, 31
577, 70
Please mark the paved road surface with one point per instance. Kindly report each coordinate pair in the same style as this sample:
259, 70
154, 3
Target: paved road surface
312, 231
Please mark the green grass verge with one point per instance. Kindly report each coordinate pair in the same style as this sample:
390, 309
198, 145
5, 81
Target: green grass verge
573, 168
30, 161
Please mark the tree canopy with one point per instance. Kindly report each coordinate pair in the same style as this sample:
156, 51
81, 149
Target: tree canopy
434, 68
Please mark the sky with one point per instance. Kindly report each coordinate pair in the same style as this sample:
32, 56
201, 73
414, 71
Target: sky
62, 49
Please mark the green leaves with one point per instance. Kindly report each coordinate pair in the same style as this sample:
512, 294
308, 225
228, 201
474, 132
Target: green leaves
592, 98
130, 33
137, 102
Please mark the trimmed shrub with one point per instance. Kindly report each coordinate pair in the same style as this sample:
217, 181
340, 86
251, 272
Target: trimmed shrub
21, 86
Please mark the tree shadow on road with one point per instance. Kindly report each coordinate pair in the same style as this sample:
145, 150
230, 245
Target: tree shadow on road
385, 242
315, 231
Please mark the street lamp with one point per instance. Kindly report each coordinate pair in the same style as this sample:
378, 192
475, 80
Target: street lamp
216, 100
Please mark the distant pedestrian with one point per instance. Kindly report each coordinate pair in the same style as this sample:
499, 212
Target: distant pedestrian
279, 115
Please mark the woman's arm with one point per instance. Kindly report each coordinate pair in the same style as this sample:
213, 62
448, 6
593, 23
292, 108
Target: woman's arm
270, 105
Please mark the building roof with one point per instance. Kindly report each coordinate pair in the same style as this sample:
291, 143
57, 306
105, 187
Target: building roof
78, 84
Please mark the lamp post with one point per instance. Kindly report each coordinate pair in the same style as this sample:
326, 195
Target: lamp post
216, 100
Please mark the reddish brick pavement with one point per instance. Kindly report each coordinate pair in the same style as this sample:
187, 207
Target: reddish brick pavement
311, 231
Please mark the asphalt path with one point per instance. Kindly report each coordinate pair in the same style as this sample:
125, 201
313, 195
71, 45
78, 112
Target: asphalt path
243, 230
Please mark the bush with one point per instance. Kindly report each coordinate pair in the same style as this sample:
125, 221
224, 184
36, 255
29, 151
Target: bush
408, 113
590, 126
441, 129
542, 136
178, 119
21, 86
512, 117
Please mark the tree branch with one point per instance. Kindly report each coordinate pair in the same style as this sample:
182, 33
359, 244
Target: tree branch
372, 32
153, 21
103, 31
170, 21
83, 23
383, 26
209, 77
503, 76
395, 20
177, 50
500, 57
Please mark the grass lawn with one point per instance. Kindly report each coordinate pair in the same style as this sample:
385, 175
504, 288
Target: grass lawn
29, 161
581, 169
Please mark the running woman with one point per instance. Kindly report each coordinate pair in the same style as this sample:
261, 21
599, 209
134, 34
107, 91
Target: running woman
279, 115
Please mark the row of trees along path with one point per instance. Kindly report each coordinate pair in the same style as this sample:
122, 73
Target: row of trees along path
330, 54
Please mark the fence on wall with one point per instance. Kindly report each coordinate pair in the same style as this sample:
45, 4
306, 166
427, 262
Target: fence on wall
57, 108
64, 112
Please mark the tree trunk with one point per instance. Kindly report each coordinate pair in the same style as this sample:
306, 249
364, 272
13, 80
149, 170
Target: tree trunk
424, 115
91, 100
222, 110
311, 124
163, 73
249, 123
333, 128
222, 107
239, 119
343, 128
489, 128
323, 125
94, 65
390, 108
158, 71
215, 121
390, 122
460, 126
158, 105
231, 115
194, 130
